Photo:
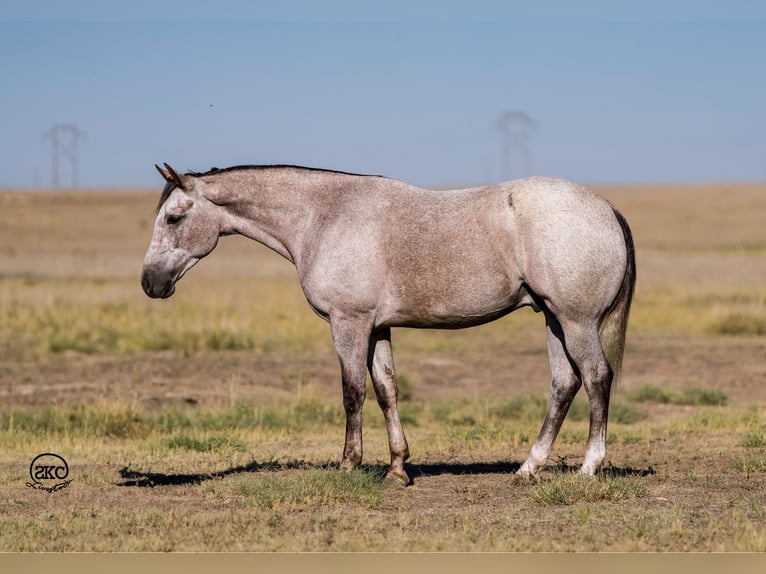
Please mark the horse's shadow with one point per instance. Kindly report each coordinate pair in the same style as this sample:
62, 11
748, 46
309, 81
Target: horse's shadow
151, 479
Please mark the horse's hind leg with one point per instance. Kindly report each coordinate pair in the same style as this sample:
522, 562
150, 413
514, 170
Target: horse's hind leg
584, 347
564, 386
380, 362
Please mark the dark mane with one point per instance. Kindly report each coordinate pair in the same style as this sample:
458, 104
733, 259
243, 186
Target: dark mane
216, 170
170, 186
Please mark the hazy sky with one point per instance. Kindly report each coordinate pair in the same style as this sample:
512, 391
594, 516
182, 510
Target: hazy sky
622, 91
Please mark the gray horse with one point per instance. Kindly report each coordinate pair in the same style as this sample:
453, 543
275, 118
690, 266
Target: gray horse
374, 253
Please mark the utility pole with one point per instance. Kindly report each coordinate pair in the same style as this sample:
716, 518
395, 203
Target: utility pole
65, 139
514, 128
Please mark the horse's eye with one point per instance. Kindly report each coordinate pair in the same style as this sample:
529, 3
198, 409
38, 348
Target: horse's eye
173, 219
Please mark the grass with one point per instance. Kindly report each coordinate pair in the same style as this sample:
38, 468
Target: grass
707, 311
753, 439
95, 316
362, 488
202, 444
105, 420
694, 396
213, 427
207, 428
83, 421
750, 462
569, 489
739, 324
202, 463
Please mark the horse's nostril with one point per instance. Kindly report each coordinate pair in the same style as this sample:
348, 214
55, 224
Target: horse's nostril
148, 285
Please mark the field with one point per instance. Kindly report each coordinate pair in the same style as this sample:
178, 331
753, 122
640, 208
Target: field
213, 421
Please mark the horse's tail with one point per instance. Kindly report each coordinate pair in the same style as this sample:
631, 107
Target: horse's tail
614, 322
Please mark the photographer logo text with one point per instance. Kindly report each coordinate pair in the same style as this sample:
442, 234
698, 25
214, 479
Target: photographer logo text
49, 472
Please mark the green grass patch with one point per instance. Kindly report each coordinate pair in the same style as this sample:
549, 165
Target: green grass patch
690, 396
750, 463
567, 488
202, 444
410, 414
300, 414
623, 436
525, 407
78, 420
364, 487
531, 408
625, 414
752, 439
405, 388
696, 396
130, 422
738, 323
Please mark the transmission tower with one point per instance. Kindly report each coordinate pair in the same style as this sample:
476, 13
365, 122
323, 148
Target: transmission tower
514, 128
65, 139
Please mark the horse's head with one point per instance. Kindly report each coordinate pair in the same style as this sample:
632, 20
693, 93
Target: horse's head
186, 230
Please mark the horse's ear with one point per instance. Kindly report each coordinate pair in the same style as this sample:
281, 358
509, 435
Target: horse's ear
165, 175
174, 177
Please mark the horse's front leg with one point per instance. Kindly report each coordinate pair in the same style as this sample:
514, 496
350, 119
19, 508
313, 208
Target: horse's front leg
351, 337
380, 362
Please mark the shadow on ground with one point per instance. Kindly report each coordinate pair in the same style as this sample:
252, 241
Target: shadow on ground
151, 479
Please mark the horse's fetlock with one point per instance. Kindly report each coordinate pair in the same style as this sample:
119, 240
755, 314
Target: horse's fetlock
351, 462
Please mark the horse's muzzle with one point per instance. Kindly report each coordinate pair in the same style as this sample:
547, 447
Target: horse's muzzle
156, 289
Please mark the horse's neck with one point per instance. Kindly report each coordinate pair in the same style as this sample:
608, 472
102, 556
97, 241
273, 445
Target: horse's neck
278, 212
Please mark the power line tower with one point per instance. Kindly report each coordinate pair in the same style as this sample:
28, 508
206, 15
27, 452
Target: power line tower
514, 128
65, 140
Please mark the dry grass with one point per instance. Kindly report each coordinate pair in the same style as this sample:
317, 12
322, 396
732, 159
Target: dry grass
212, 477
212, 420
218, 474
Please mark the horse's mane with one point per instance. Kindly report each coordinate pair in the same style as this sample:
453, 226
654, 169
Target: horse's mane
217, 170
170, 186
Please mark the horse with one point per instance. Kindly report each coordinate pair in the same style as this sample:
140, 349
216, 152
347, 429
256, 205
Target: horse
373, 253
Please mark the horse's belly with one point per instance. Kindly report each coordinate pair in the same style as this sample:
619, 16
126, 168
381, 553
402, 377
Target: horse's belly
452, 306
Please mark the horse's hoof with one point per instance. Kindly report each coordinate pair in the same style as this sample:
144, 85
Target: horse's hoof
520, 477
587, 472
398, 478
527, 473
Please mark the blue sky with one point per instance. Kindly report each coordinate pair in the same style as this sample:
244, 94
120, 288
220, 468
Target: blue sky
667, 91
